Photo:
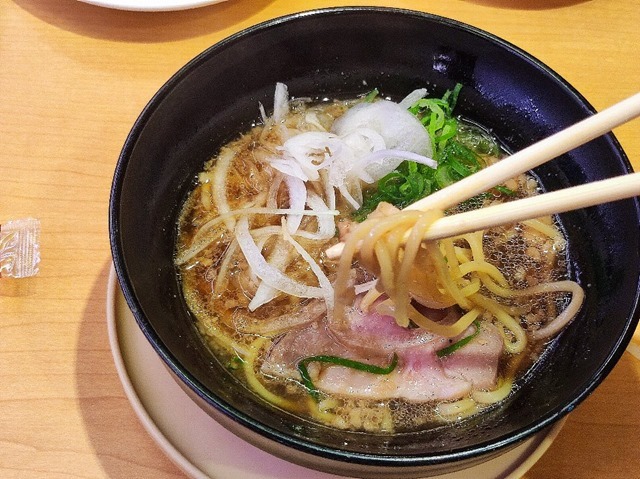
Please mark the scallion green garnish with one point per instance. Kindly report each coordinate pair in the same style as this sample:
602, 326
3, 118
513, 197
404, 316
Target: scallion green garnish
349, 363
369, 97
235, 363
504, 190
436, 114
452, 348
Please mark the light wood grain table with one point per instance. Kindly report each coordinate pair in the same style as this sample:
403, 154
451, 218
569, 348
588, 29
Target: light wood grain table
73, 78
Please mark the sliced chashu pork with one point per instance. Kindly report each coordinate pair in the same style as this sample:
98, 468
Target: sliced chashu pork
373, 338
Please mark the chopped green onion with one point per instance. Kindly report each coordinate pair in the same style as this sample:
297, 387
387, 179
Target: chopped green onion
504, 190
235, 363
349, 363
452, 348
369, 97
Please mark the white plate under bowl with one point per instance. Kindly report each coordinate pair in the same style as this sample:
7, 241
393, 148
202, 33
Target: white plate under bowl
152, 5
203, 449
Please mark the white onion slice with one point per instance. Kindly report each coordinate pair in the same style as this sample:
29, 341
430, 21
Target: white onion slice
288, 167
267, 273
347, 196
276, 211
264, 294
280, 102
221, 279
297, 200
263, 113
312, 119
347, 154
408, 101
271, 230
279, 259
309, 151
331, 195
307, 313
200, 241
326, 223
356, 191
364, 140
219, 184
364, 287
399, 128
382, 162
274, 187
323, 281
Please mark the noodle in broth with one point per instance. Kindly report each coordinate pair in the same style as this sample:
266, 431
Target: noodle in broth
395, 335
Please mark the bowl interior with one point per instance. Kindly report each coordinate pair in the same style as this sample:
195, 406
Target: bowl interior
342, 53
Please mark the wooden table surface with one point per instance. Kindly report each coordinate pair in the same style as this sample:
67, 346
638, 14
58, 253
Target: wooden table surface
73, 78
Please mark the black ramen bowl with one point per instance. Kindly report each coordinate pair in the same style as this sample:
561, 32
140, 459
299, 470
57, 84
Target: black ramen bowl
341, 53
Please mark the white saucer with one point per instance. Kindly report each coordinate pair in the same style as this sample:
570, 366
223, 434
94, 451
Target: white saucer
204, 449
152, 5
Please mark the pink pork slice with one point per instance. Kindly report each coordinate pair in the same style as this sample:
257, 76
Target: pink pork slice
373, 338
477, 361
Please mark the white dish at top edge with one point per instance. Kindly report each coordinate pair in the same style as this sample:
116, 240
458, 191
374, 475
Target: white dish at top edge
203, 449
152, 5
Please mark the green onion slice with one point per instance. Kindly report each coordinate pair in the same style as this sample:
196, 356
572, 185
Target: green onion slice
369, 97
236, 362
452, 348
349, 363
504, 190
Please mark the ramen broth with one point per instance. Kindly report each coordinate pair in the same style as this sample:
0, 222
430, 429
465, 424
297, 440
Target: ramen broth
244, 220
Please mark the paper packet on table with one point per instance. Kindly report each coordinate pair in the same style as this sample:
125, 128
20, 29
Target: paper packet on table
19, 248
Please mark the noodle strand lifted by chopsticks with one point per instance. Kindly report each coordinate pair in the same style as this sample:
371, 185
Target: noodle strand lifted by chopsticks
459, 273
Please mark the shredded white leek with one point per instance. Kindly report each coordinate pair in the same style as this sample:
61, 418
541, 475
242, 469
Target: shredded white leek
324, 282
267, 273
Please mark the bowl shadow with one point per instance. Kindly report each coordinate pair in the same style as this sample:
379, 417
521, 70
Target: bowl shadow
110, 422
